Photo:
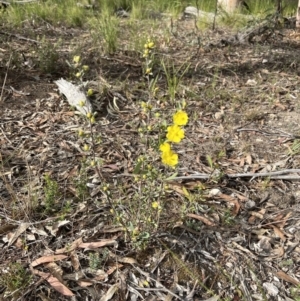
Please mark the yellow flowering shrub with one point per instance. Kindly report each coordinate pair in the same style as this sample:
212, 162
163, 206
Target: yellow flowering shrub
85, 68
148, 47
169, 158
180, 118
147, 54
90, 92
175, 133
81, 103
165, 147
76, 59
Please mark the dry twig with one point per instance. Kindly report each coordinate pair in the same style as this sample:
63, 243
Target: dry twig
278, 175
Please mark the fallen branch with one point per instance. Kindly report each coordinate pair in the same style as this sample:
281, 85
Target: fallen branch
247, 36
160, 286
275, 132
19, 37
278, 175
7, 3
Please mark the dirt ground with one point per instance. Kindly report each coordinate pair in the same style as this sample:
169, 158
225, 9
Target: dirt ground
239, 240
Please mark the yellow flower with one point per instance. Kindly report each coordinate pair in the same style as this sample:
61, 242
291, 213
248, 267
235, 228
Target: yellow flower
146, 53
76, 59
150, 44
180, 118
155, 205
86, 147
80, 133
141, 159
175, 133
169, 158
165, 147
92, 119
148, 71
90, 92
93, 163
81, 103
78, 74
136, 231
89, 115
85, 67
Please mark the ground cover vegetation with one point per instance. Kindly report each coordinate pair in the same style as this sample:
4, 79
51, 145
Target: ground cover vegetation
180, 184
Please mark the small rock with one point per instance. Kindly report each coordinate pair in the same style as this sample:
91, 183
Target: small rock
219, 115
271, 288
122, 13
191, 10
251, 82
250, 204
214, 192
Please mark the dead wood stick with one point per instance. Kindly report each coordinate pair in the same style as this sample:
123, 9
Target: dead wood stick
7, 3
281, 174
19, 37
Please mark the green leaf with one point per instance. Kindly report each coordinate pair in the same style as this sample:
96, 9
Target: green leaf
171, 177
186, 193
137, 169
210, 162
